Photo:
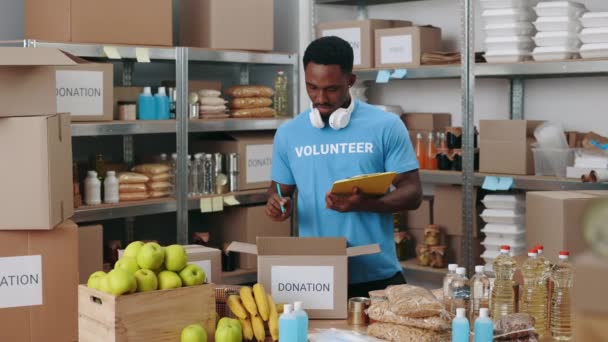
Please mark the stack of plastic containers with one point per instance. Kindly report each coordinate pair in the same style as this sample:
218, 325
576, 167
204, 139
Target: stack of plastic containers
509, 30
504, 217
558, 25
594, 35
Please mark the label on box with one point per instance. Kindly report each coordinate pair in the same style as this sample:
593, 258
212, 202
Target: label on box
352, 36
79, 92
20, 281
396, 49
313, 285
259, 163
206, 266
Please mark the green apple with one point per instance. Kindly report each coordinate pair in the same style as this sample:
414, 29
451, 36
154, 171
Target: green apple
120, 281
192, 275
176, 258
94, 279
133, 288
133, 249
229, 330
104, 285
128, 264
194, 333
168, 280
151, 256
146, 281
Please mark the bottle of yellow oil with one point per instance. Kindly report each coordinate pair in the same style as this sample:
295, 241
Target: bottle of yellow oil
561, 311
533, 299
503, 297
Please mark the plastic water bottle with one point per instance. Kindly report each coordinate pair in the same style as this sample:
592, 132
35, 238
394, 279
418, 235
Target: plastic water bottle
161, 102
460, 326
461, 290
280, 94
534, 294
561, 302
288, 325
110, 188
484, 327
194, 188
503, 297
302, 320
447, 283
480, 292
147, 109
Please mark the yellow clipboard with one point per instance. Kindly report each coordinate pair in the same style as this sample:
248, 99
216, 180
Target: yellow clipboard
371, 184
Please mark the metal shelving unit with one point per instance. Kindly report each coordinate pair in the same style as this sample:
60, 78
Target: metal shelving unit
360, 2
233, 199
180, 57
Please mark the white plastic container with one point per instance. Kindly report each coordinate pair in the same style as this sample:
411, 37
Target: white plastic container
506, 239
594, 19
507, 16
512, 229
509, 43
499, 4
552, 161
110, 188
502, 216
507, 56
513, 202
511, 29
594, 51
594, 35
92, 189
552, 24
559, 9
554, 53
558, 38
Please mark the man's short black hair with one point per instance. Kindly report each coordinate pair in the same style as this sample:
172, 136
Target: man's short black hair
330, 51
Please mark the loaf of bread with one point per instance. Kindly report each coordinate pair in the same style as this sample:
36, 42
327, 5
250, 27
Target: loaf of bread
151, 168
254, 113
249, 91
212, 101
132, 178
250, 102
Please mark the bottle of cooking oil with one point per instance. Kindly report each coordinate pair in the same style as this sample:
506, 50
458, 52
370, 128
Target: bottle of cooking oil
534, 294
548, 282
480, 293
502, 301
561, 312
280, 94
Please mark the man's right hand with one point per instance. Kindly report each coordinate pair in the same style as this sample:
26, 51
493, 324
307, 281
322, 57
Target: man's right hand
273, 208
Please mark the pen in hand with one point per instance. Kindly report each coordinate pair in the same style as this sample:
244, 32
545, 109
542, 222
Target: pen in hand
280, 197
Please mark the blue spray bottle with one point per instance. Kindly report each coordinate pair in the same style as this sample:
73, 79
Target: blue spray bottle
302, 320
288, 325
460, 326
147, 110
484, 327
161, 102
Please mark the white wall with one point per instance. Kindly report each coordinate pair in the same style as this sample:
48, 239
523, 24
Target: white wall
579, 104
11, 19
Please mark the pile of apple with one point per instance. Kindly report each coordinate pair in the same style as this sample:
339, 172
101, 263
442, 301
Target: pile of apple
148, 267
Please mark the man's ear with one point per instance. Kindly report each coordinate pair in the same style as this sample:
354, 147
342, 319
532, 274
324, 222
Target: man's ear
352, 79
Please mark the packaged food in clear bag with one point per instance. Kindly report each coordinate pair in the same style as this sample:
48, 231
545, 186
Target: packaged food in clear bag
158, 186
413, 301
381, 312
250, 91
159, 177
131, 188
402, 333
250, 102
151, 168
254, 113
514, 326
132, 178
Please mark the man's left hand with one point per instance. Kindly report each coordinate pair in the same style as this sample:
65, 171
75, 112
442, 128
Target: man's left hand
345, 203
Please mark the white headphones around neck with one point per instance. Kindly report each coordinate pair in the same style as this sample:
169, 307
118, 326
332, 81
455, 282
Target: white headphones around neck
337, 120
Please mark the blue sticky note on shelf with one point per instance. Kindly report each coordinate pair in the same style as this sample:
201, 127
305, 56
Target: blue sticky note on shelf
505, 183
399, 73
490, 183
383, 76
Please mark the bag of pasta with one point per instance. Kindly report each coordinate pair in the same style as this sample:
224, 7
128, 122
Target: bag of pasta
381, 312
402, 333
152, 168
413, 301
132, 178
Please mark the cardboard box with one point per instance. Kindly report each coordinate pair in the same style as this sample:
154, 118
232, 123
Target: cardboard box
209, 259
553, 219
505, 146
245, 224
425, 123
145, 316
255, 156
590, 278
227, 24
36, 172
403, 47
421, 217
47, 262
90, 249
134, 22
57, 82
313, 270
447, 210
360, 35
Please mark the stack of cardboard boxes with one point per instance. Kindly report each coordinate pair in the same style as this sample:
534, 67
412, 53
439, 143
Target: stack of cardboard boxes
43, 255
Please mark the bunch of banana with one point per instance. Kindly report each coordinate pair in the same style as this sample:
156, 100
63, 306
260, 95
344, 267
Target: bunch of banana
253, 307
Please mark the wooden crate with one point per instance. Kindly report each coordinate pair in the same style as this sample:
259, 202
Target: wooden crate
150, 316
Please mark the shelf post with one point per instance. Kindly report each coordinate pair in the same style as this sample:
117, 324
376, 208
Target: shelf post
468, 112
181, 179
517, 98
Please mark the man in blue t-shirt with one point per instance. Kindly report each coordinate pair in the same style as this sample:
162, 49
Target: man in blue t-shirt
340, 137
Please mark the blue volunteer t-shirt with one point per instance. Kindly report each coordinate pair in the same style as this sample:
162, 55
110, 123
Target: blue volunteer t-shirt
313, 159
